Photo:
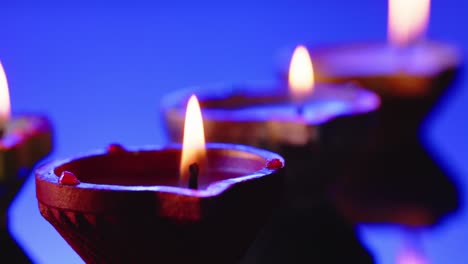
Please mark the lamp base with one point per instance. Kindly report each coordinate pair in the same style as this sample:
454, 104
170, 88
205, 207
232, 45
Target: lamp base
15, 253
26, 140
10, 249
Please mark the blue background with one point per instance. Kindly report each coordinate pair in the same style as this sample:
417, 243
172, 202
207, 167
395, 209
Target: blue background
100, 69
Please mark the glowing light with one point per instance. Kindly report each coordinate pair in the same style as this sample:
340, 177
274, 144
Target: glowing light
411, 256
301, 73
5, 107
407, 20
193, 150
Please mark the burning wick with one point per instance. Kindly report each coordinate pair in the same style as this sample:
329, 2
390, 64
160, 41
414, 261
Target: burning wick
407, 21
193, 147
194, 169
300, 78
4, 101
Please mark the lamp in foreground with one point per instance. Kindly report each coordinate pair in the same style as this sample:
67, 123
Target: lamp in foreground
124, 206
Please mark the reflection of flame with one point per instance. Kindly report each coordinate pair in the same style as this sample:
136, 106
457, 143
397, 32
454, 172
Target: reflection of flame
301, 73
411, 256
193, 150
407, 20
4, 98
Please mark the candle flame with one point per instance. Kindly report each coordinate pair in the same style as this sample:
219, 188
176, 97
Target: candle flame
5, 107
301, 73
407, 20
193, 147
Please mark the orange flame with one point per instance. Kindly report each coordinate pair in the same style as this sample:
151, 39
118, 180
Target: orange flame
193, 148
407, 20
301, 73
5, 107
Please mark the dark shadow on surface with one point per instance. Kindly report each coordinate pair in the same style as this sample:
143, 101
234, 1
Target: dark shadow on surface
317, 235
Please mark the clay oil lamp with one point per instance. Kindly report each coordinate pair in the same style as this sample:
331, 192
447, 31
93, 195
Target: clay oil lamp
318, 128
411, 74
189, 203
25, 139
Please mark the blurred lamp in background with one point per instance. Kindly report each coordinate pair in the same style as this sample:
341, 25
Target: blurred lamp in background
24, 140
410, 74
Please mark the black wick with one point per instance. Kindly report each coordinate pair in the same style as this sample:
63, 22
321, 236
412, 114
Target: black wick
193, 178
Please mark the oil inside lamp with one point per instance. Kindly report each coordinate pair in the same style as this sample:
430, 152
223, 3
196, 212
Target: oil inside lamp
407, 21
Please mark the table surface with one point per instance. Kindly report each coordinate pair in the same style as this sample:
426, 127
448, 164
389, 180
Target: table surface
99, 69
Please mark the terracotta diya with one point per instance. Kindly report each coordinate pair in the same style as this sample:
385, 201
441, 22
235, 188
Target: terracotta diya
26, 140
124, 206
411, 76
317, 128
